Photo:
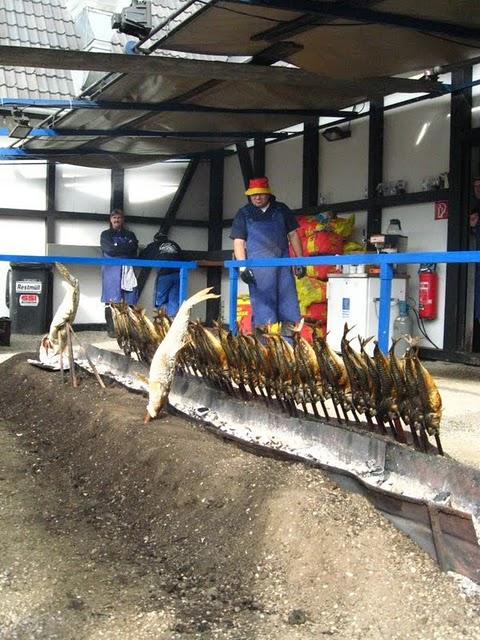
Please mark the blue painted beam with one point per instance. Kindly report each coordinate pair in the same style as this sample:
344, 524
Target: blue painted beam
361, 15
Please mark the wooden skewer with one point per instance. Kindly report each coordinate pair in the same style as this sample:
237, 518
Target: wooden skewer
73, 377
90, 362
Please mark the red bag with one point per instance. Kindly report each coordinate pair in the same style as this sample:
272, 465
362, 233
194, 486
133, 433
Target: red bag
320, 271
323, 243
317, 311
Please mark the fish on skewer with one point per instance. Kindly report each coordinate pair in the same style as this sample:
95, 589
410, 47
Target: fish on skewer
53, 344
162, 367
426, 399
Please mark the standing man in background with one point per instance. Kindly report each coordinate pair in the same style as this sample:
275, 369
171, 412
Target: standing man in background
263, 229
119, 283
167, 283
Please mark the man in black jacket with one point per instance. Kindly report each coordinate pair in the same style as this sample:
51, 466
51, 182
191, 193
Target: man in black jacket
167, 284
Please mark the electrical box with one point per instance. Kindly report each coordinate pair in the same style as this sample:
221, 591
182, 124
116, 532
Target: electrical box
355, 299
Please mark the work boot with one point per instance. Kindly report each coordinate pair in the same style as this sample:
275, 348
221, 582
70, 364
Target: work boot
109, 320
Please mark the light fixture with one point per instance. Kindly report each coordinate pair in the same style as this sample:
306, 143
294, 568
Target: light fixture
20, 131
336, 133
22, 126
135, 20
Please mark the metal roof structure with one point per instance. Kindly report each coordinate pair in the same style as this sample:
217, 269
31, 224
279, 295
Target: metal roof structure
346, 52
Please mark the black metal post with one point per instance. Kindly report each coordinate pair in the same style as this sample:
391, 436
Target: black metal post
375, 165
51, 180
458, 206
215, 218
118, 189
310, 165
259, 157
245, 162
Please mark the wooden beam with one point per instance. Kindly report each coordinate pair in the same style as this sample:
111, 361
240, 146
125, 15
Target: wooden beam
38, 57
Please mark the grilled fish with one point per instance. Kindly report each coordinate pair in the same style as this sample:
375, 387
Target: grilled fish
55, 341
162, 368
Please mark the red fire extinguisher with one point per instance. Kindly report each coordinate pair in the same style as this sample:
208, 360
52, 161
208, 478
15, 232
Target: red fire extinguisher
428, 291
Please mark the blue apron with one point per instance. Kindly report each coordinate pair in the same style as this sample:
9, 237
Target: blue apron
273, 296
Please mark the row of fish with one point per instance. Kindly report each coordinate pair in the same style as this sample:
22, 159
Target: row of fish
381, 392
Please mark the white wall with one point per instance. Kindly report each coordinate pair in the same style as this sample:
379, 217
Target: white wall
82, 189
424, 234
18, 237
283, 166
417, 142
343, 166
149, 190
23, 185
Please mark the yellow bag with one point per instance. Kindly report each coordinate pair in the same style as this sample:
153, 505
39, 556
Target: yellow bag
342, 226
309, 291
353, 247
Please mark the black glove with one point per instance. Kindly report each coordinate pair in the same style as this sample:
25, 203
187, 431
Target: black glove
247, 276
300, 272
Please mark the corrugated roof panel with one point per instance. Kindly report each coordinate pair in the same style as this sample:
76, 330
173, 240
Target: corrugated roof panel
44, 23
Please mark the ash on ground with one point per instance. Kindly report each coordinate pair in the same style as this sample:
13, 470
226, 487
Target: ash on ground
113, 529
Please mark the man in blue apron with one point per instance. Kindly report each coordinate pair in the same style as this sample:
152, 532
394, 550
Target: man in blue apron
263, 229
119, 283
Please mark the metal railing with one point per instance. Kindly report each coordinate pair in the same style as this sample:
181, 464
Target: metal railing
183, 267
384, 260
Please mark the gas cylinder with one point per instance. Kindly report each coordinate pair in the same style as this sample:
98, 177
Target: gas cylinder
402, 326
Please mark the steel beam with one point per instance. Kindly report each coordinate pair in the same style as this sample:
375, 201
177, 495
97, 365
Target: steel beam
365, 15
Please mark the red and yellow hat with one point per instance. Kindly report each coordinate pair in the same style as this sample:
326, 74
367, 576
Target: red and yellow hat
257, 186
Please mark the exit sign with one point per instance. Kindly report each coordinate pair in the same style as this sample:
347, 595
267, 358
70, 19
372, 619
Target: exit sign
441, 210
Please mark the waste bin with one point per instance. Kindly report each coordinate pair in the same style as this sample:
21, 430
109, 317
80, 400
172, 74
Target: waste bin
29, 297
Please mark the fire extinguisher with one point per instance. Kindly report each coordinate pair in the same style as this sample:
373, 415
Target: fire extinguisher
428, 291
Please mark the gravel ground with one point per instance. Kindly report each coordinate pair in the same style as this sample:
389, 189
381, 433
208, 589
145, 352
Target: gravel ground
113, 529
